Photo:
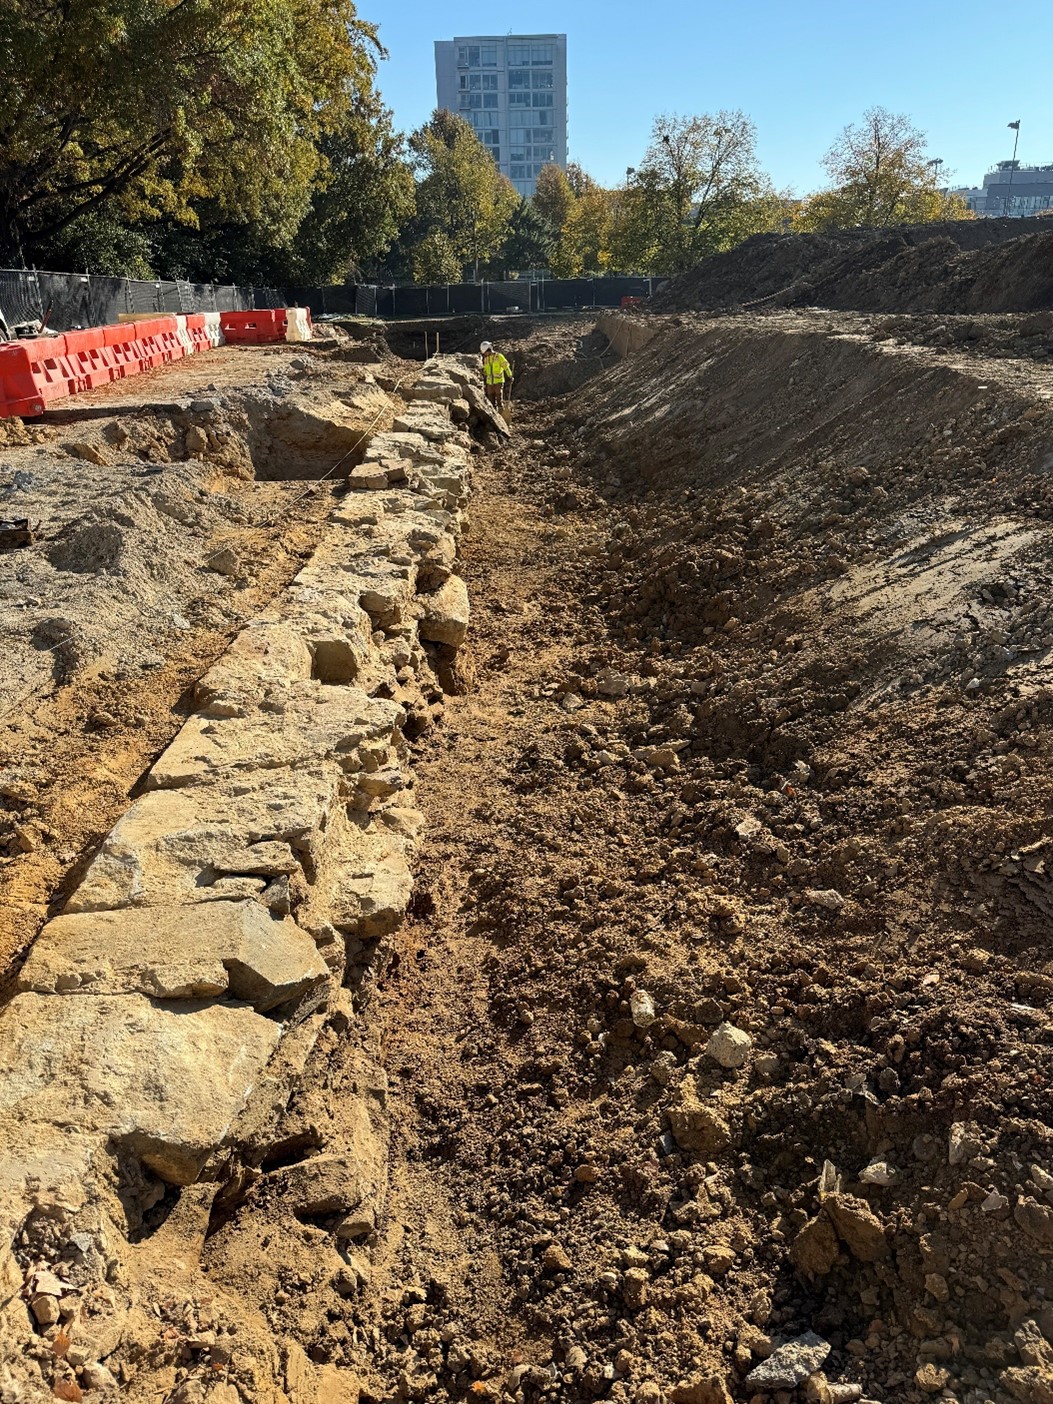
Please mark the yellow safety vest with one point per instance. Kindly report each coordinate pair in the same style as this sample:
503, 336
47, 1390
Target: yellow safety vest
496, 369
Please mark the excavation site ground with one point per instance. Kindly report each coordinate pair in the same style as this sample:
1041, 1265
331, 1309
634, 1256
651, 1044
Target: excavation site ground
553, 913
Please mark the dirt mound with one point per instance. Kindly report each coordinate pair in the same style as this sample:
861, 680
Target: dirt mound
972, 266
559, 360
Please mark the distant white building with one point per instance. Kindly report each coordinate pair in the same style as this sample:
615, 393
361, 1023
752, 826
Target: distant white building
512, 88
1030, 193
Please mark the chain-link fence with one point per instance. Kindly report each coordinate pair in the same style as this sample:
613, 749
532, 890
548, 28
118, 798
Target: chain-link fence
67, 301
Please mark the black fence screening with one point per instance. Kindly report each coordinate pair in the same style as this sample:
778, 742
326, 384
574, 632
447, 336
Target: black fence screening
67, 301
71, 300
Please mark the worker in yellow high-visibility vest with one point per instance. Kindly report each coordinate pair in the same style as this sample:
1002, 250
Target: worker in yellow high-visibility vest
497, 373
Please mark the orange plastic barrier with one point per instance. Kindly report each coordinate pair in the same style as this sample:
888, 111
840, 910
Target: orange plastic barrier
32, 372
254, 328
197, 327
35, 371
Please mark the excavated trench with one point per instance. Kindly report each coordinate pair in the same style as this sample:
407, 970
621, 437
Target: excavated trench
707, 1059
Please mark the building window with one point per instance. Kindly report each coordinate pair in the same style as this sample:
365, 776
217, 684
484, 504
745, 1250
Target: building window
489, 99
544, 153
543, 99
489, 82
519, 79
540, 54
519, 99
468, 56
471, 100
544, 78
489, 56
518, 172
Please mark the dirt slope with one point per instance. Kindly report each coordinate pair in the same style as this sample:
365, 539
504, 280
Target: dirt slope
972, 266
757, 737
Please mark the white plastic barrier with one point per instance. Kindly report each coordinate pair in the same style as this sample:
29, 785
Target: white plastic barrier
298, 324
215, 331
185, 339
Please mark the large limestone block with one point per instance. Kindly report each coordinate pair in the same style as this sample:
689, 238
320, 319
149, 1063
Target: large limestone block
445, 613
265, 655
165, 1083
374, 583
407, 446
210, 842
484, 413
370, 896
435, 388
212, 948
307, 722
433, 424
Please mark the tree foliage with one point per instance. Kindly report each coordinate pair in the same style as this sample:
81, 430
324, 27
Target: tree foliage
364, 196
140, 110
880, 175
464, 203
579, 212
244, 140
553, 197
530, 242
698, 191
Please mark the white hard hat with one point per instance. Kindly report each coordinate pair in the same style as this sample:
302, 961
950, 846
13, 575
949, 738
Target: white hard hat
487, 346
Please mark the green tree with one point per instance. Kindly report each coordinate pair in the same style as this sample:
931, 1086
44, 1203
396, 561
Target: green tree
553, 197
140, 109
584, 245
464, 203
879, 175
530, 242
364, 198
699, 190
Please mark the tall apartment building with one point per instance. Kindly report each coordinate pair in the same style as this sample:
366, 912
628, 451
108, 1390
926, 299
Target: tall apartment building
513, 90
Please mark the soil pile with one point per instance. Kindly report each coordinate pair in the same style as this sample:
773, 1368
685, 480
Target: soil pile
972, 266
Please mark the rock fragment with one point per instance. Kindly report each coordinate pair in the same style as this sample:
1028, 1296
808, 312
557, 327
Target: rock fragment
790, 1363
446, 612
695, 1125
729, 1046
641, 1009
857, 1226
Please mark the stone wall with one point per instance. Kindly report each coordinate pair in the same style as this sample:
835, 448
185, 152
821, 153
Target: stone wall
242, 901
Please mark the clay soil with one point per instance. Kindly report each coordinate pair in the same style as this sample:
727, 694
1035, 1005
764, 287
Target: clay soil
758, 735
755, 731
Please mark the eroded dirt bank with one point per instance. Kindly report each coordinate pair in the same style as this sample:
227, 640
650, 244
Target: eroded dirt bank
712, 1060
757, 739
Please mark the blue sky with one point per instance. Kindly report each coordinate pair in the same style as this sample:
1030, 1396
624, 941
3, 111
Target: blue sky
801, 69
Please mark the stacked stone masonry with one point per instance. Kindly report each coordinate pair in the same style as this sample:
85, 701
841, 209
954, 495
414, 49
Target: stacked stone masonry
161, 1019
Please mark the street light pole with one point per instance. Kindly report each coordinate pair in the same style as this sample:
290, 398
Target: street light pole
1012, 168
